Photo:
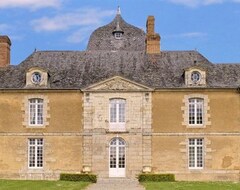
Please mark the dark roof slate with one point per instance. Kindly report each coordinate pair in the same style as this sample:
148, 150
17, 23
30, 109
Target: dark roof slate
133, 38
79, 69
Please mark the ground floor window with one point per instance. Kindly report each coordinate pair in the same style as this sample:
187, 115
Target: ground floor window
117, 158
35, 153
195, 153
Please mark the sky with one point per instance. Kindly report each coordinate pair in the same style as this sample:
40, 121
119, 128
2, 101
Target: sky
211, 27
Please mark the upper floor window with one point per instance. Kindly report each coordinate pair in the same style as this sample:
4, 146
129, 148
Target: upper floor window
36, 111
195, 110
195, 153
117, 113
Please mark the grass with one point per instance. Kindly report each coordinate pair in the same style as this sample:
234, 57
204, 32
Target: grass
191, 185
41, 185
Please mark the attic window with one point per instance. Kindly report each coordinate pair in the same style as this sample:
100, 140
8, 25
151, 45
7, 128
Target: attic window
195, 76
118, 35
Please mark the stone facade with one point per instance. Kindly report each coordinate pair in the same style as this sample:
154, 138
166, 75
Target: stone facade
118, 109
98, 133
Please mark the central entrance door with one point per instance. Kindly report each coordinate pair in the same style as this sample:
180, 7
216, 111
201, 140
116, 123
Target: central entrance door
117, 158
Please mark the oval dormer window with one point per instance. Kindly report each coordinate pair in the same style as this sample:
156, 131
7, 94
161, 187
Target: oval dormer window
195, 76
36, 78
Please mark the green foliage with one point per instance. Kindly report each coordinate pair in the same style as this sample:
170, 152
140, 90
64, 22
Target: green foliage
156, 177
79, 177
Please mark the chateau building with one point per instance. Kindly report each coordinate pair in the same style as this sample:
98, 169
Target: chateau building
122, 107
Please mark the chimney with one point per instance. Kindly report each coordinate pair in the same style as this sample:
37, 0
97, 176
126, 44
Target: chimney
5, 44
152, 38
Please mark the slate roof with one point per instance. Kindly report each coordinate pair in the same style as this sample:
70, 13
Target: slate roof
76, 70
103, 59
133, 38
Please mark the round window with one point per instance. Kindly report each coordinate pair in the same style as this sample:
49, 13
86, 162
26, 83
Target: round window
36, 78
195, 76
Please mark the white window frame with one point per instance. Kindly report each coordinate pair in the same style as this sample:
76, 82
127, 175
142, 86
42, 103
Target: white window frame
37, 145
35, 110
117, 120
195, 153
196, 104
118, 35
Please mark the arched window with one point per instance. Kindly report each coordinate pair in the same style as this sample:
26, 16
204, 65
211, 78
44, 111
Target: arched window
195, 111
35, 111
117, 157
117, 113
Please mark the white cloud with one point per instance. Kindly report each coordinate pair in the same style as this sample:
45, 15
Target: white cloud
193, 35
83, 17
188, 35
196, 3
29, 4
80, 35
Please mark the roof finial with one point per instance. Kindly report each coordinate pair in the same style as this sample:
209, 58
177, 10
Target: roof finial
118, 11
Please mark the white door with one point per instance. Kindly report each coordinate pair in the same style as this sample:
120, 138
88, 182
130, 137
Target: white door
117, 158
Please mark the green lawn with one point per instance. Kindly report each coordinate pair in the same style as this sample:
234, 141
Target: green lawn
192, 186
41, 185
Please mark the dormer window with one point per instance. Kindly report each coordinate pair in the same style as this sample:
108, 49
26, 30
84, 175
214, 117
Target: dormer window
36, 77
118, 32
118, 35
195, 77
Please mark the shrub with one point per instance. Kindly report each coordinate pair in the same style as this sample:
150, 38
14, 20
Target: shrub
79, 177
156, 177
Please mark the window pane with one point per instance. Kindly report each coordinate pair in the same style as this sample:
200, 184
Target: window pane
113, 112
36, 112
35, 151
195, 153
113, 158
195, 109
117, 111
122, 112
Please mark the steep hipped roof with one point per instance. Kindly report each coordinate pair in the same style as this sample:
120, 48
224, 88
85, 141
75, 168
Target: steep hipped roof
76, 70
133, 38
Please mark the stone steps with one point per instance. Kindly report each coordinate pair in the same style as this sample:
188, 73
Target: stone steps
116, 184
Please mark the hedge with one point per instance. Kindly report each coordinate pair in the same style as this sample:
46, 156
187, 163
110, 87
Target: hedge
79, 177
156, 177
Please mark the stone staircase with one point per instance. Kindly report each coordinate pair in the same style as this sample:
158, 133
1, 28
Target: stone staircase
116, 184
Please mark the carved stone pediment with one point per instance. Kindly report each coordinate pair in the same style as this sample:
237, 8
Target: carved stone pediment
117, 84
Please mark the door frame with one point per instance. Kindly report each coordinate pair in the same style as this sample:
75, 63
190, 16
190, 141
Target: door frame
119, 172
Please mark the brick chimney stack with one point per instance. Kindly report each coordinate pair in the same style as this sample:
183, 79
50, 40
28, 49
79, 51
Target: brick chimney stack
5, 44
152, 38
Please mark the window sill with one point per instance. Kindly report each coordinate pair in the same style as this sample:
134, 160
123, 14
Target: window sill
36, 126
195, 170
196, 126
35, 170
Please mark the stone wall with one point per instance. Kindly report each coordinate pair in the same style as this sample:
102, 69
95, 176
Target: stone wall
221, 136
62, 153
98, 136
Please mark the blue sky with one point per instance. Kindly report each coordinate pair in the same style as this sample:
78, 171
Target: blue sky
210, 26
